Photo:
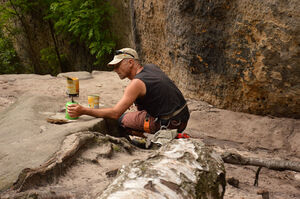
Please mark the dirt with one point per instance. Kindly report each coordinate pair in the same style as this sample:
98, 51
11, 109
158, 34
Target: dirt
251, 135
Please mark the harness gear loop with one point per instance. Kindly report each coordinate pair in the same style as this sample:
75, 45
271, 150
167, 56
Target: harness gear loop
164, 126
147, 123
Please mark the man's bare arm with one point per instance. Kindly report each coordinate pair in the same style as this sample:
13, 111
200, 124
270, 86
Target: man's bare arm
135, 89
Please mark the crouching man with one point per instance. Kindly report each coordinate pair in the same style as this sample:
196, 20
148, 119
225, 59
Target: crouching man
159, 102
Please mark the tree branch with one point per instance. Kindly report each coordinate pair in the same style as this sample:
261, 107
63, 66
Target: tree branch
279, 165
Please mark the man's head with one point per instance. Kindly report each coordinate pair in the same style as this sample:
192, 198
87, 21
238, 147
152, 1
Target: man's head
125, 63
124, 53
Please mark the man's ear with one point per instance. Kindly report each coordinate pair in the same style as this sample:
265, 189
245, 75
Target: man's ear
131, 62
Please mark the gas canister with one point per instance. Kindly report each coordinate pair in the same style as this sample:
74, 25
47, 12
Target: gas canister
67, 114
72, 86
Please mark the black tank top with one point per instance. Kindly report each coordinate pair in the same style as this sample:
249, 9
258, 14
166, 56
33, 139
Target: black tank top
162, 95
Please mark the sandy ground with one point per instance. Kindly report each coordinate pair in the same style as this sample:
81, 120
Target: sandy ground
251, 135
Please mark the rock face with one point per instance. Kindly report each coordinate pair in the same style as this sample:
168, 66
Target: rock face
180, 169
121, 23
240, 55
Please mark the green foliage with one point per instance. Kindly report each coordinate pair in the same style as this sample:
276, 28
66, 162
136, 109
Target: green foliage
14, 9
9, 62
86, 20
49, 56
11, 13
81, 21
7, 14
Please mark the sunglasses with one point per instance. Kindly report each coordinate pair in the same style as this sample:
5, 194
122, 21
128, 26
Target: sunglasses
118, 52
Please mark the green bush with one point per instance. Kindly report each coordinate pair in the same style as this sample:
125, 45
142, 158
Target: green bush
9, 61
49, 56
86, 20
80, 21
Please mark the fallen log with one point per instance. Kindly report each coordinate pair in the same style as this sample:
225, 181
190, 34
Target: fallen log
279, 165
183, 168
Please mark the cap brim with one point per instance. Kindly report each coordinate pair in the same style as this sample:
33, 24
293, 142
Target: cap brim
114, 62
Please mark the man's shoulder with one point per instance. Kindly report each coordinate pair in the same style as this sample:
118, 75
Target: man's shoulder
152, 67
150, 71
138, 86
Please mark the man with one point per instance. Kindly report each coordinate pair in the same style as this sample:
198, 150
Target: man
159, 102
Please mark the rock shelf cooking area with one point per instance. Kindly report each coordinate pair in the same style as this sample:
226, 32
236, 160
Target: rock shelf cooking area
87, 158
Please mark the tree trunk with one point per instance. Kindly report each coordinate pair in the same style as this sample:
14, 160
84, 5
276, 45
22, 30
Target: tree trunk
183, 168
33, 57
62, 69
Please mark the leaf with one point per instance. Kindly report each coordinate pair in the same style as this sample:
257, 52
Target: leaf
93, 51
91, 34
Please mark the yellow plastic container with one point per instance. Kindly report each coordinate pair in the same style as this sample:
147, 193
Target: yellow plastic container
93, 101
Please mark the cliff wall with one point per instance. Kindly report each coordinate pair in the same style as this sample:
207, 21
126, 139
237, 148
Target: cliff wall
239, 55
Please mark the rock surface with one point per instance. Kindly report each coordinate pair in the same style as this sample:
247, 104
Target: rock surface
27, 140
30, 99
239, 55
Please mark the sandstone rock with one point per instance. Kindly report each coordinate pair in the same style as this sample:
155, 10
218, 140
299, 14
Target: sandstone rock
27, 140
238, 55
81, 75
183, 168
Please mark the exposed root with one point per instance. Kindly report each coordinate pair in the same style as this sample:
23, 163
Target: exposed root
44, 195
123, 142
54, 167
279, 165
256, 176
91, 147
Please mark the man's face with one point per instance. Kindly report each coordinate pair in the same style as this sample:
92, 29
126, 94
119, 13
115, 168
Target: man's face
122, 69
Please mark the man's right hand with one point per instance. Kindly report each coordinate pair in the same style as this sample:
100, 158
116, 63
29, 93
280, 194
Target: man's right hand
75, 110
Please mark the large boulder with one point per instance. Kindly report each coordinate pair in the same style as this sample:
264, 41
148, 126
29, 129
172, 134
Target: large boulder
240, 55
183, 168
27, 140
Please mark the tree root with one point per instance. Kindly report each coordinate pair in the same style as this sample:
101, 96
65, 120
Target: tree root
279, 165
48, 171
256, 176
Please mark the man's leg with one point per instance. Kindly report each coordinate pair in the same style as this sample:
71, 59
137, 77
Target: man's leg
133, 123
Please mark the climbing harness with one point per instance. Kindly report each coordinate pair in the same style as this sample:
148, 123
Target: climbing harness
167, 117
